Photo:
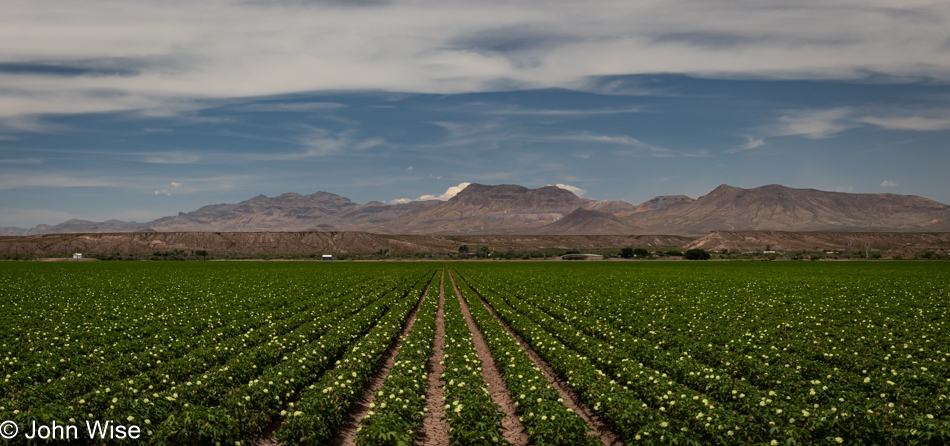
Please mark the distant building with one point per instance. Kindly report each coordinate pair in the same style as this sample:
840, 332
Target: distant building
768, 252
328, 257
77, 255
582, 257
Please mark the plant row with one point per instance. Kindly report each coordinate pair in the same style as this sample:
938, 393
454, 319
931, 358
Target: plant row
542, 411
322, 407
473, 416
396, 415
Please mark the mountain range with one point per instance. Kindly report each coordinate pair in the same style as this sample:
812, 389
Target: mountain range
549, 210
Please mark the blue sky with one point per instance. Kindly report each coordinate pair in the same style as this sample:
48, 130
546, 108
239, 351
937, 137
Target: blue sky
137, 111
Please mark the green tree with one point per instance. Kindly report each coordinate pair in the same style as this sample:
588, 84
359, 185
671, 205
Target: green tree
696, 254
463, 251
626, 253
640, 252
674, 253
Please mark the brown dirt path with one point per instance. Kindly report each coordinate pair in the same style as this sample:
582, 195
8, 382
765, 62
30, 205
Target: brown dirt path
514, 430
571, 398
435, 429
347, 435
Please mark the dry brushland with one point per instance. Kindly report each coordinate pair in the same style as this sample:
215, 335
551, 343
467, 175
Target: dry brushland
362, 245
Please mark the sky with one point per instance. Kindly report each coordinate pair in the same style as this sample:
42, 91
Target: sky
138, 110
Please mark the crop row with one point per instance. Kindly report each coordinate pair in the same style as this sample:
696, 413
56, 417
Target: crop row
322, 407
474, 417
542, 411
397, 413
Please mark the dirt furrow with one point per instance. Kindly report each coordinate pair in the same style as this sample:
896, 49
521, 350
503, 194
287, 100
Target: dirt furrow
514, 430
435, 429
571, 398
347, 435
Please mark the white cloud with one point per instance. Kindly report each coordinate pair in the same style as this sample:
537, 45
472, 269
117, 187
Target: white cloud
163, 56
449, 193
920, 123
823, 123
167, 191
751, 143
815, 124
576, 190
888, 183
409, 168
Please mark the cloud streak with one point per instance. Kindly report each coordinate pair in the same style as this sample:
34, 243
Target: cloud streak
147, 57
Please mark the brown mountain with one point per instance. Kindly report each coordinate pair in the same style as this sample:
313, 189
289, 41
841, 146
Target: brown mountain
513, 209
780, 208
481, 209
587, 222
320, 211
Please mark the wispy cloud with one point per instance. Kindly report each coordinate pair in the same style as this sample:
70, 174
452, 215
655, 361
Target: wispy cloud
919, 123
172, 158
253, 49
20, 161
290, 106
815, 124
824, 123
624, 140
320, 143
751, 143
514, 110
18, 180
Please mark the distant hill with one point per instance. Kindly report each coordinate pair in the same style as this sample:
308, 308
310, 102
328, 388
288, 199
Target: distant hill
780, 208
587, 222
512, 209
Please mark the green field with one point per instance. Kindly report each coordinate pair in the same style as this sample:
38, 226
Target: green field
664, 353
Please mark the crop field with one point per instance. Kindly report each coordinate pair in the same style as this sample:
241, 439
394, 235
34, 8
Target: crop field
471, 353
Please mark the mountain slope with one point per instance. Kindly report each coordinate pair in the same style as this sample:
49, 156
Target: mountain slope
780, 208
482, 209
587, 222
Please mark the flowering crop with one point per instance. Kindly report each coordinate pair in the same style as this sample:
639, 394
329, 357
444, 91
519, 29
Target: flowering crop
321, 410
474, 417
547, 420
397, 413
744, 353
168, 347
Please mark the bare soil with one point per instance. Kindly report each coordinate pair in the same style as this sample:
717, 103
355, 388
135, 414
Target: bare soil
435, 429
359, 409
514, 430
571, 398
